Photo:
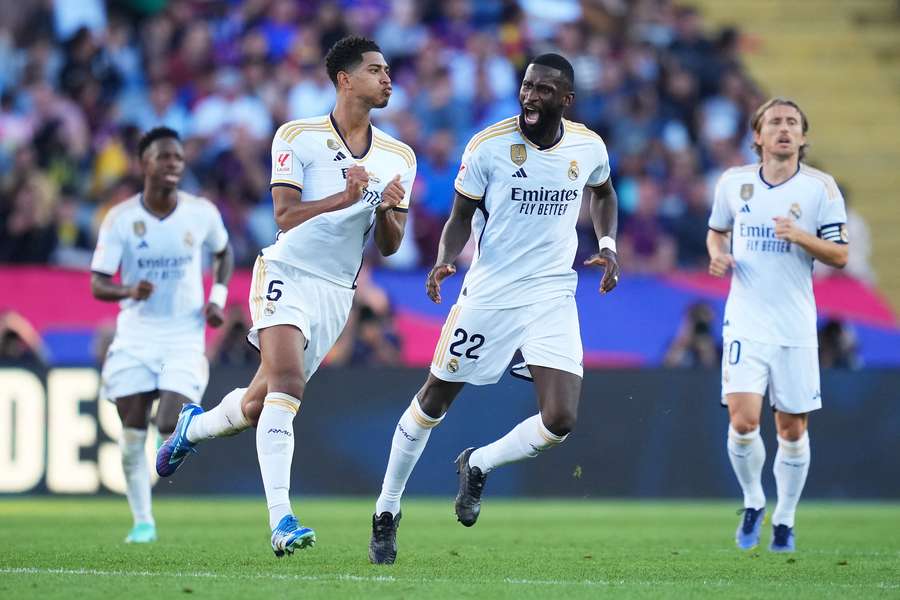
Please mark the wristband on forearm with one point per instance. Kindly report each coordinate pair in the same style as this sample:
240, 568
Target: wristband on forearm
218, 294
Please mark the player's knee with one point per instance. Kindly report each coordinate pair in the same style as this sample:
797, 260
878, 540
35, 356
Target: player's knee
793, 432
559, 422
287, 381
744, 424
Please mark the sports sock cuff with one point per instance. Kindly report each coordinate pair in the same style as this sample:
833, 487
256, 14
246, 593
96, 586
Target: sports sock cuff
742, 439
282, 400
130, 435
419, 416
548, 436
795, 448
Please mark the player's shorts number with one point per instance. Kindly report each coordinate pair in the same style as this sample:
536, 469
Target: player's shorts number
274, 293
462, 338
734, 352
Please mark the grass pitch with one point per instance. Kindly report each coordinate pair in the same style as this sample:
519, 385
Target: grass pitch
219, 548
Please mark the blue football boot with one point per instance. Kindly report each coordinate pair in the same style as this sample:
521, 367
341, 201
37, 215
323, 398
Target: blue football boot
747, 534
175, 449
782, 539
289, 535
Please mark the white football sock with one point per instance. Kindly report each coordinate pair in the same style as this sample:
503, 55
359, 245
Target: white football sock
791, 466
747, 454
275, 450
137, 475
527, 439
409, 441
225, 419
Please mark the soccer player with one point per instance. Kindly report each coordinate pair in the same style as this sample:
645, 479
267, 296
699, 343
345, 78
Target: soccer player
519, 189
769, 222
154, 240
352, 178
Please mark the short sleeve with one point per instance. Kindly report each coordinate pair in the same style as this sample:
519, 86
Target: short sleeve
287, 162
600, 175
722, 218
831, 222
216, 234
108, 253
471, 180
407, 180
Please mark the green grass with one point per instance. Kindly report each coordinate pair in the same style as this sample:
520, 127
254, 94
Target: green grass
218, 548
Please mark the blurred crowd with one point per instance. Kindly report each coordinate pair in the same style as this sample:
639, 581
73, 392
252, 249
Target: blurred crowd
80, 81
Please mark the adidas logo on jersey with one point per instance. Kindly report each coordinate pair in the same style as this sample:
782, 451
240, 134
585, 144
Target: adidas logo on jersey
745, 208
520, 173
143, 244
339, 156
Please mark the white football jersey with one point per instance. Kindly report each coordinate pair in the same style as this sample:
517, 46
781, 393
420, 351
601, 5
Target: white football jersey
310, 155
167, 253
771, 298
528, 202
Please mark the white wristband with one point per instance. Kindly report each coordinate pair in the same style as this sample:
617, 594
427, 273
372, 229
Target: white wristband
607, 242
218, 294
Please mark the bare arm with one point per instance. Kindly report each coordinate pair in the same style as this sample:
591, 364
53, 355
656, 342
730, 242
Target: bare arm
223, 265
830, 253
222, 268
103, 288
290, 212
389, 223
456, 233
720, 258
605, 217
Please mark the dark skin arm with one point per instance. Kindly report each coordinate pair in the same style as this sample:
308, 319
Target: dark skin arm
104, 288
222, 268
605, 216
389, 223
453, 239
290, 212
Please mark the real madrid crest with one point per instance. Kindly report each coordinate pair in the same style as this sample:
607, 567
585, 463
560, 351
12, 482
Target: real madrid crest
845, 237
518, 154
746, 191
188, 239
332, 143
140, 229
269, 310
573, 170
453, 365
795, 210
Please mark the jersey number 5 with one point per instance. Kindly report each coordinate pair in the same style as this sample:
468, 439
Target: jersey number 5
274, 293
461, 338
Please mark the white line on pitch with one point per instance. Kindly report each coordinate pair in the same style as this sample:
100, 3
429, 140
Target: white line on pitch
392, 579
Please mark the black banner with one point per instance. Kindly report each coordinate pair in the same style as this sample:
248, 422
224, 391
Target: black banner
640, 433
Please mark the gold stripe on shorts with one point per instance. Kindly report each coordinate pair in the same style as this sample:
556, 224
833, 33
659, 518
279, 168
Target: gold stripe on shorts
446, 335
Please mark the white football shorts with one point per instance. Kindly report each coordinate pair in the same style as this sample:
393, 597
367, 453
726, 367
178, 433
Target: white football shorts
283, 295
477, 344
132, 368
789, 373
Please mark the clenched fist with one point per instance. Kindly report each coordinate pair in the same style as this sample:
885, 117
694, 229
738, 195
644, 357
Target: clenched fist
392, 195
357, 181
719, 264
141, 290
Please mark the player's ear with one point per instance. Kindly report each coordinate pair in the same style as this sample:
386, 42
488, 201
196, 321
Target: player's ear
343, 80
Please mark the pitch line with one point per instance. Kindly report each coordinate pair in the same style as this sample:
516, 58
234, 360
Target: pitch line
884, 585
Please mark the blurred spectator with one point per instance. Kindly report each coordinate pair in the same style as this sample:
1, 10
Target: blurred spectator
230, 346
19, 341
691, 226
695, 344
838, 346
436, 172
644, 246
